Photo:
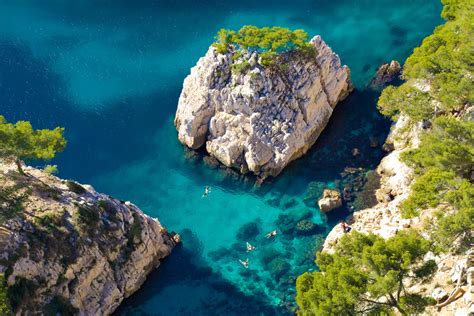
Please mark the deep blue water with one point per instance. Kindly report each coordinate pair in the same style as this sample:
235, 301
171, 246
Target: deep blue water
110, 72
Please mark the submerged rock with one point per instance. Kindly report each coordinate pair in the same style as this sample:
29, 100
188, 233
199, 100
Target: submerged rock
248, 232
306, 227
287, 223
68, 249
331, 199
260, 118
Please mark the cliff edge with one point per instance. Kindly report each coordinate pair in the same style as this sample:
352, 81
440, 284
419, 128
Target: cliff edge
68, 249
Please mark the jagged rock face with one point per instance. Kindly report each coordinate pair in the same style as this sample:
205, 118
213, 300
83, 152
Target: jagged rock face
68, 243
263, 118
385, 74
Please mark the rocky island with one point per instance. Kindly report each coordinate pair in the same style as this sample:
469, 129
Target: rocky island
257, 102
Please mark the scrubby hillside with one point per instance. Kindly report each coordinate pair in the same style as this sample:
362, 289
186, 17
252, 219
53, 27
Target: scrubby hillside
426, 211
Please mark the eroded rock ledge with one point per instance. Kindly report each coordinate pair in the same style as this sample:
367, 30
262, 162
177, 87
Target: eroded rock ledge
260, 119
67, 248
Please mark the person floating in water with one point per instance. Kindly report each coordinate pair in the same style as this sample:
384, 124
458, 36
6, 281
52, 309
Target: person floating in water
245, 263
271, 234
250, 247
345, 227
207, 190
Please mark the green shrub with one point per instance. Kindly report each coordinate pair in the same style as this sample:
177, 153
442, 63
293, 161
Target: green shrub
444, 61
268, 41
240, 68
365, 275
21, 292
20, 141
448, 146
11, 203
51, 169
60, 306
427, 191
75, 187
87, 216
136, 227
50, 220
5, 308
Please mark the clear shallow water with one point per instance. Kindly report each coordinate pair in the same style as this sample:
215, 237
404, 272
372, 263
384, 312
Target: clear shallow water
111, 73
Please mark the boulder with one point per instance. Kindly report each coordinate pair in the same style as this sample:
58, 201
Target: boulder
385, 74
261, 118
330, 200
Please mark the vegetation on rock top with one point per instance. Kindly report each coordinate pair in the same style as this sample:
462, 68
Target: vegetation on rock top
269, 42
366, 275
20, 141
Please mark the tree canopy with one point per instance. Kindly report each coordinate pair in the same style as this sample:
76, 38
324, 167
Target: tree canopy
20, 141
5, 308
366, 274
439, 89
444, 62
268, 41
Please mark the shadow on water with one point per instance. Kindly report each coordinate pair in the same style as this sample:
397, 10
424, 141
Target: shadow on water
354, 126
207, 289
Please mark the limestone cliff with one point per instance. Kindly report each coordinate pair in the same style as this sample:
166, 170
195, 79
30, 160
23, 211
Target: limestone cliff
66, 248
259, 118
385, 219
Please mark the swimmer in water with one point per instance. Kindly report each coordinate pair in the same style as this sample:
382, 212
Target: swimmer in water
271, 234
250, 247
207, 190
245, 263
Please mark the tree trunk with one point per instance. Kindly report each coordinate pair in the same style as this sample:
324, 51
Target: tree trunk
395, 304
18, 165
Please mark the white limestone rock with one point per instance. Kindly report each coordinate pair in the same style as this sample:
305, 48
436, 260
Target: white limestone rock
330, 200
91, 265
264, 118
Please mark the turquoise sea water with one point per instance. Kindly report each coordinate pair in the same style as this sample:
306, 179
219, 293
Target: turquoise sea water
111, 73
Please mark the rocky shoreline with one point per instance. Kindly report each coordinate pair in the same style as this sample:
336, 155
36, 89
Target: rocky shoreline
69, 249
255, 118
385, 219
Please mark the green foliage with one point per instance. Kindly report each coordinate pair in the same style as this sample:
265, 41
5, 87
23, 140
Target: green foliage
87, 216
75, 187
444, 160
427, 191
407, 99
21, 292
136, 228
11, 202
60, 306
51, 169
240, 68
5, 308
426, 270
366, 274
445, 62
458, 224
268, 41
267, 59
20, 141
448, 146
50, 220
